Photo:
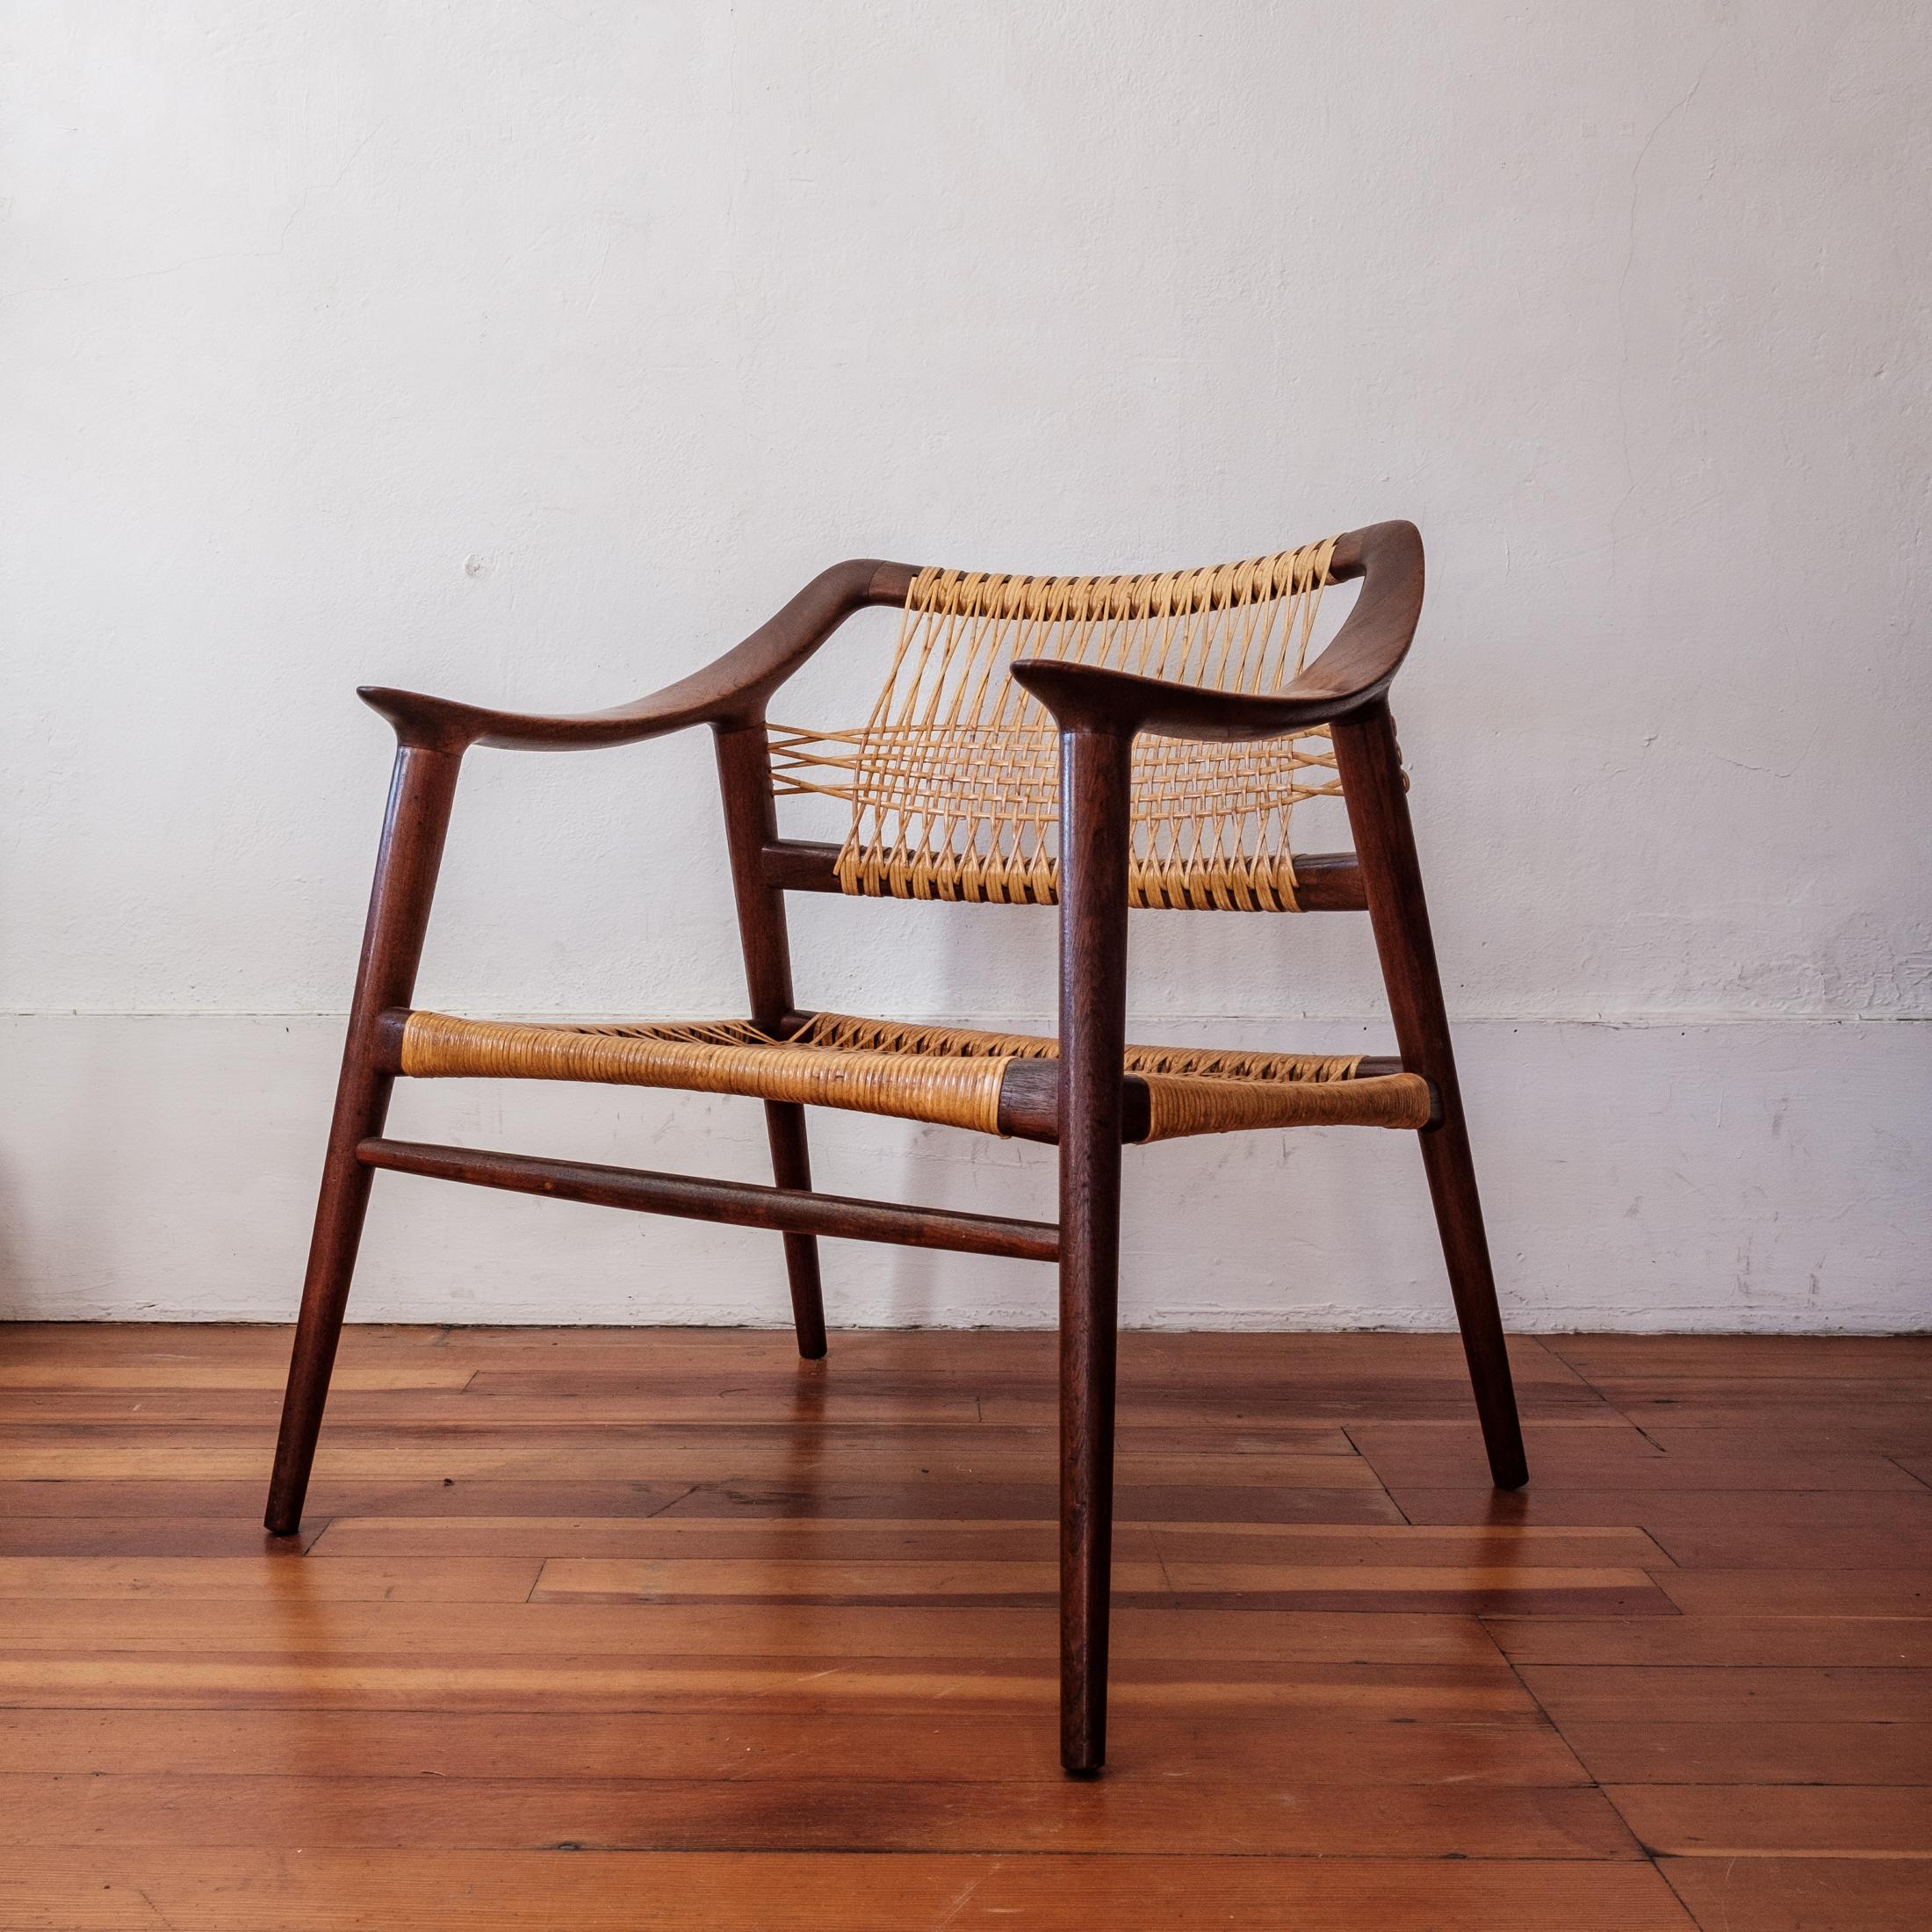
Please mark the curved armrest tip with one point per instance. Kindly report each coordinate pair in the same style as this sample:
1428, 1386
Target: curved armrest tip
421, 722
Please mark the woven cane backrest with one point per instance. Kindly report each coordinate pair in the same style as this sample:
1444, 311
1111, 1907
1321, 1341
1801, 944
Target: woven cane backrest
953, 782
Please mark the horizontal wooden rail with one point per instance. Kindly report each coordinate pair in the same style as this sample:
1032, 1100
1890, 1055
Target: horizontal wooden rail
1324, 881
742, 1203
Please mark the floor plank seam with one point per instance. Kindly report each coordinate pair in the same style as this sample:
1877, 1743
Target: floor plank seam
1897, 1462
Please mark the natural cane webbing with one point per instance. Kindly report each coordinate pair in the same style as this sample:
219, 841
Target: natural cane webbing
955, 782
951, 1076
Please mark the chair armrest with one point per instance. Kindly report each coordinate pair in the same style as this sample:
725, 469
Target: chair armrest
1350, 676
730, 691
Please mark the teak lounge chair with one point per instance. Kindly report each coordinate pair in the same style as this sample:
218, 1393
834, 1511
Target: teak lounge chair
1107, 742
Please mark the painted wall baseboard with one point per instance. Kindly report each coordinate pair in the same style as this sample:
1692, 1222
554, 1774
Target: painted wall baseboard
1749, 1176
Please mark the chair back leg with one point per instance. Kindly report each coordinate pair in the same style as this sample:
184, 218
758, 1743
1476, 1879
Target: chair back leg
1093, 882
1370, 764
420, 796
750, 823
791, 1167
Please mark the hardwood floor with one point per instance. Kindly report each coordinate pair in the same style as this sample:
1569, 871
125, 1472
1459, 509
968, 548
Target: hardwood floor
666, 1628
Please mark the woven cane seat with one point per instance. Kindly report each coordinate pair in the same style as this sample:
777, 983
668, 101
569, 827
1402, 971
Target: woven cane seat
953, 782
949, 1075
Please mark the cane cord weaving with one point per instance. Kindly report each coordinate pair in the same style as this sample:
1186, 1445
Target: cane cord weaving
953, 789
947, 1075
954, 780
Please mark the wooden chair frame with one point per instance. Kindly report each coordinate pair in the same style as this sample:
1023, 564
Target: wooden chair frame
1097, 713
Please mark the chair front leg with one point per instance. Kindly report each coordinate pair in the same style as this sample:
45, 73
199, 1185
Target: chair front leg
1094, 837
419, 797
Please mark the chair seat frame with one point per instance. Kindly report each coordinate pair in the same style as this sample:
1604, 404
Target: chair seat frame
1097, 713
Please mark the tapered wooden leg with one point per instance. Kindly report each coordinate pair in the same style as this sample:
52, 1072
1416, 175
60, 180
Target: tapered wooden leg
419, 797
791, 1167
1094, 863
751, 823
1372, 782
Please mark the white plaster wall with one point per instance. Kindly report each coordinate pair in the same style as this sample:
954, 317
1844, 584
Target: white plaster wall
1749, 1176
532, 355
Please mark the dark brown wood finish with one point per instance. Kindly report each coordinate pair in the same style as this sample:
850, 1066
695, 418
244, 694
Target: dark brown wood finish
744, 1204
743, 771
421, 793
1029, 1098
1378, 807
1324, 881
729, 691
1095, 770
1084, 1103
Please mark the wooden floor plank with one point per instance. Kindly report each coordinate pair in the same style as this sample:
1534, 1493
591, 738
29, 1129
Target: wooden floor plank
797, 1458
1800, 1895
1753, 1401
1779, 1821
1656, 1511
945, 1632
728, 1541
1852, 1593
1879, 1642
325, 1677
779, 1579
920, 1538
279, 1578
1136, 1499
1203, 1814
1518, 1748
325, 1891
193, 1342
1900, 1431
110, 1389
1658, 1751
1304, 1397
1731, 1694
1534, 1548
1440, 1587
240, 1503
202, 1537
1413, 1455
411, 1407
1805, 1545
855, 1498
1601, 1358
